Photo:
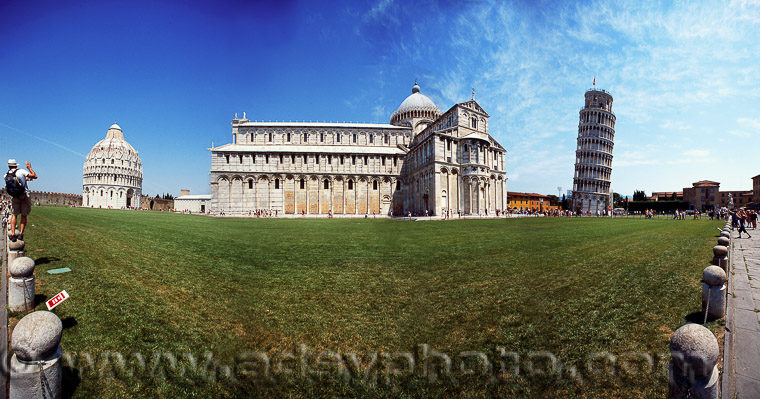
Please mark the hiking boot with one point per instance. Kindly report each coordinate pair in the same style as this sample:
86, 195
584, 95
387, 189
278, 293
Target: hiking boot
13, 238
21, 237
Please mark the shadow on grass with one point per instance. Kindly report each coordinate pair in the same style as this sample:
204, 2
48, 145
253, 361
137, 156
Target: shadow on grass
44, 260
69, 322
39, 298
70, 381
695, 317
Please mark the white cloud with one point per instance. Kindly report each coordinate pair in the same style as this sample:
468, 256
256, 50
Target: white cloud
697, 153
681, 74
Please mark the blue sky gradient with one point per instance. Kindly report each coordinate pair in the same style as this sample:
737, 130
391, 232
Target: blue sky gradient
684, 75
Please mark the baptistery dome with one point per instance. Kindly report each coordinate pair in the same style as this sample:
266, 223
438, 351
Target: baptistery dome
416, 111
112, 173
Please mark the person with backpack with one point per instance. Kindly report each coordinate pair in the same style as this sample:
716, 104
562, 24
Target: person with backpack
21, 202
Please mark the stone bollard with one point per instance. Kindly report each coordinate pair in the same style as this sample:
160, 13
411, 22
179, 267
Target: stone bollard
726, 234
21, 285
714, 291
693, 368
15, 250
36, 370
720, 257
724, 241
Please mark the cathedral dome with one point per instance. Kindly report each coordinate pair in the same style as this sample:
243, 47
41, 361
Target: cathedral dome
113, 146
416, 106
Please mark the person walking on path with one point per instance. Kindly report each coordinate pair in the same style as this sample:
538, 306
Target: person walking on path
742, 219
21, 201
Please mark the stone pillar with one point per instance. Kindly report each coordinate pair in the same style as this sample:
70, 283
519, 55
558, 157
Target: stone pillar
720, 257
21, 285
15, 250
714, 292
36, 370
693, 368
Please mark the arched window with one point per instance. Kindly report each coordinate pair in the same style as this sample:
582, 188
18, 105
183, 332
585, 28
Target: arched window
374, 185
250, 184
327, 184
474, 122
301, 184
398, 185
350, 184
276, 184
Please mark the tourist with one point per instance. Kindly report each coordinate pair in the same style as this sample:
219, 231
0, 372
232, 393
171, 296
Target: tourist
17, 188
742, 218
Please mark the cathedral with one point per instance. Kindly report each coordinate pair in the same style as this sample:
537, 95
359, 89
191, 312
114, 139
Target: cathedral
424, 162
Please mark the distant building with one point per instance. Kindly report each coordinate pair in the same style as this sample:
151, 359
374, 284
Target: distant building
593, 157
424, 161
112, 174
529, 201
195, 203
756, 191
703, 195
666, 196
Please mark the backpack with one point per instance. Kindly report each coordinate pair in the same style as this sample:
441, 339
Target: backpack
12, 186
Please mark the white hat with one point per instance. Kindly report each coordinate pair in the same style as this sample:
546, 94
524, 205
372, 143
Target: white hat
12, 162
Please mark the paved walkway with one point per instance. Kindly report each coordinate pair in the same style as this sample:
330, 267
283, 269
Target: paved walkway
741, 364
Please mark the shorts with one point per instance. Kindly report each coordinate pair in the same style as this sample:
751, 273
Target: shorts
21, 205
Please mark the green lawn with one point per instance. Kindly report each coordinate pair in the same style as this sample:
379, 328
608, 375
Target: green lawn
156, 287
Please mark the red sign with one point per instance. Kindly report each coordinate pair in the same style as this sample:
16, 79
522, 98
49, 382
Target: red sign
56, 300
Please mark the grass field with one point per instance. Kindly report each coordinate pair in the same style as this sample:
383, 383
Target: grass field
193, 305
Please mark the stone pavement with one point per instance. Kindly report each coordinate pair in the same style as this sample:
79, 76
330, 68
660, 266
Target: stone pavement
741, 361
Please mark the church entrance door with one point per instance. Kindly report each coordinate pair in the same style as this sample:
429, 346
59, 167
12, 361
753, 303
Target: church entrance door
386, 205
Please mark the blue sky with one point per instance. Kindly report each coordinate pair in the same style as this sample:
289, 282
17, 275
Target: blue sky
684, 75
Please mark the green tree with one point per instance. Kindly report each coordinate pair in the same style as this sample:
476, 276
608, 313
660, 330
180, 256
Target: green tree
639, 195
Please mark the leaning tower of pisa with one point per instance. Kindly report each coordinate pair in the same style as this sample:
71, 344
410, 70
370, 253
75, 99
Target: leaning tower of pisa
593, 158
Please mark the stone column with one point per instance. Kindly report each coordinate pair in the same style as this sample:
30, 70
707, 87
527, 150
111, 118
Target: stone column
720, 257
714, 292
15, 250
21, 285
693, 368
36, 370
